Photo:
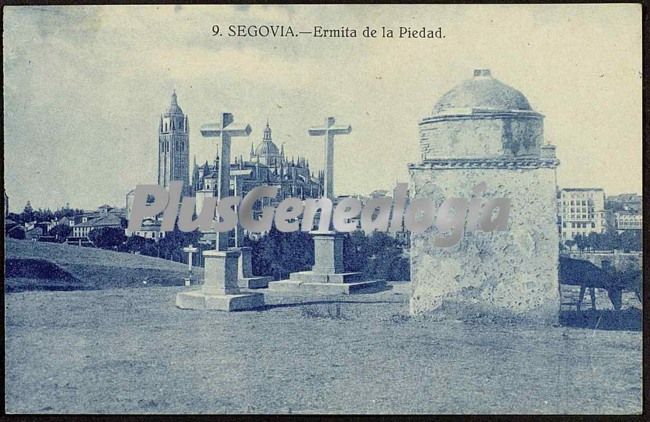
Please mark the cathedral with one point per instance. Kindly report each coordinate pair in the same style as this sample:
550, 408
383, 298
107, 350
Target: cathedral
266, 165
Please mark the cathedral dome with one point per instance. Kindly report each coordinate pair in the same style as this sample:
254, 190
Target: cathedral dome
266, 148
482, 92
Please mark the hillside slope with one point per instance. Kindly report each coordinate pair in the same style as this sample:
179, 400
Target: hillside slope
52, 266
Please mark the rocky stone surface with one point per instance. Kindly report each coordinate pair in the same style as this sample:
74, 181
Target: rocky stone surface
512, 272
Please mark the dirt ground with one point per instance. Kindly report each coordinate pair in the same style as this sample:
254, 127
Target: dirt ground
132, 351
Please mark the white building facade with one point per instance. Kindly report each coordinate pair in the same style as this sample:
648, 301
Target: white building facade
581, 211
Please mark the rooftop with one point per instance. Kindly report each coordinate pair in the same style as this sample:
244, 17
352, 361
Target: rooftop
482, 92
110, 220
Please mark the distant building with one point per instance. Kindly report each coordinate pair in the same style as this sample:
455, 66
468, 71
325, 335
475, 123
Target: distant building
82, 218
83, 224
66, 221
14, 229
102, 210
34, 233
630, 202
108, 220
267, 165
38, 230
626, 220
150, 229
581, 211
624, 211
46, 226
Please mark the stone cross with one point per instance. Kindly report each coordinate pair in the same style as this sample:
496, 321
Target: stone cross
224, 129
191, 250
329, 130
238, 177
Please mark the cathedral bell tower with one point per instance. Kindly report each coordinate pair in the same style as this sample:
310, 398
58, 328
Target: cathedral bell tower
174, 147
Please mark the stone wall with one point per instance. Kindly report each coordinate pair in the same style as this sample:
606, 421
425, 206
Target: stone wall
507, 273
481, 136
461, 138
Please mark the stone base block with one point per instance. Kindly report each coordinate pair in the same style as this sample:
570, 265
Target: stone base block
319, 288
254, 282
511, 273
196, 299
314, 277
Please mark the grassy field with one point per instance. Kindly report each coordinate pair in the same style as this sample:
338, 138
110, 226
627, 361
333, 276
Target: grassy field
132, 351
52, 266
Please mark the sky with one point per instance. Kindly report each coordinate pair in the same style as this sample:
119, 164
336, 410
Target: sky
84, 87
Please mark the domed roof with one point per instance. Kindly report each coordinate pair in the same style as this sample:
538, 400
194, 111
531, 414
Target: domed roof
267, 147
483, 91
174, 108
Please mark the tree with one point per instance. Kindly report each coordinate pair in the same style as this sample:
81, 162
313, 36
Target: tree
630, 240
171, 246
593, 241
378, 256
15, 217
278, 254
66, 211
150, 248
61, 232
134, 244
387, 260
43, 215
28, 213
296, 251
263, 256
355, 251
581, 242
609, 240
107, 237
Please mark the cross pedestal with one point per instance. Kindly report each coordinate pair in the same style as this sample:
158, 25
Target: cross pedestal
328, 252
245, 276
220, 289
327, 275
